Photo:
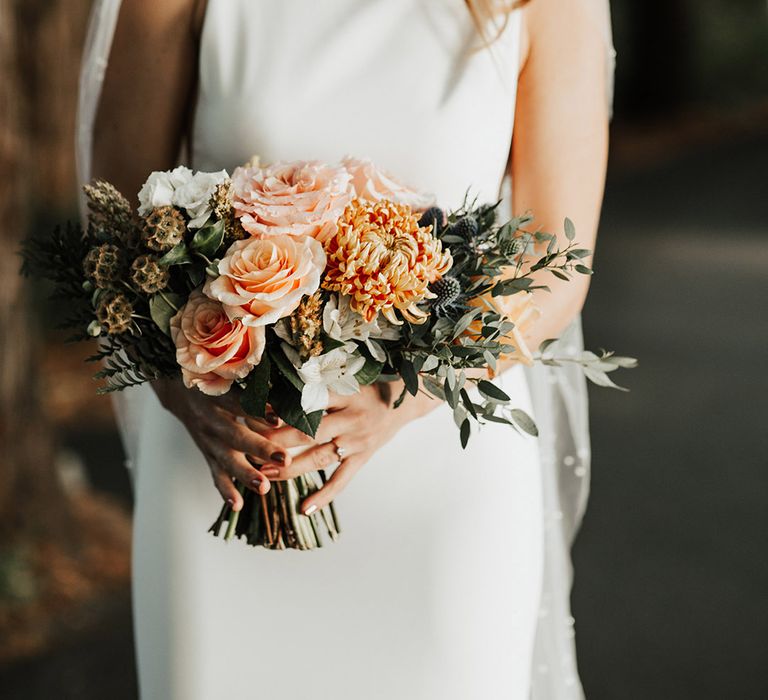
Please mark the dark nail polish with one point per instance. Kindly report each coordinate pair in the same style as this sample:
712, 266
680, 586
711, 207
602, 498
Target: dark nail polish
272, 419
278, 457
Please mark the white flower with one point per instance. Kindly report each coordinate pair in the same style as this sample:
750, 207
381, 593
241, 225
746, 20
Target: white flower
159, 189
195, 196
342, 323
332, 371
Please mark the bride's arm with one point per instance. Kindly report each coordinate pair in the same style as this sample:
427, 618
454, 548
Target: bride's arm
142, 120
558, 166
560, 143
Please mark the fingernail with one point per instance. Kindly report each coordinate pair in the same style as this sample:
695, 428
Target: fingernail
255, 482
231, 502
272, 419
278, 457
270, 472
310, 510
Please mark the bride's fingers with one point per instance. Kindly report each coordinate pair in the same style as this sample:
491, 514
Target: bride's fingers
243, 439
315, 458
237, 465
288, 436
335, 484
335, 424
224, 485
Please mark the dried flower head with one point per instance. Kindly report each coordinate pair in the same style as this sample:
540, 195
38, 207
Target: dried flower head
113, 312
384, 261
103, 265
107, 207
148, 275
164, 228
306, 324
221, 203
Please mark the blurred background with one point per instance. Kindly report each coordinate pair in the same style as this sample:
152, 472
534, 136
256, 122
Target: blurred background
671, 592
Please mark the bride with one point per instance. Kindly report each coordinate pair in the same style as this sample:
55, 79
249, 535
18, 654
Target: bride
451, 578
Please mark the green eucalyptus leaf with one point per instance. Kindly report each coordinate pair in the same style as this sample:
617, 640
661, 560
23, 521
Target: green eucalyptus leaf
524, 421
490, 390
464, 432
579, 253
570, 229
584, 270
411, 379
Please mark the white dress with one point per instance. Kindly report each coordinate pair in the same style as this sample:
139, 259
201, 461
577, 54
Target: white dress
432, 591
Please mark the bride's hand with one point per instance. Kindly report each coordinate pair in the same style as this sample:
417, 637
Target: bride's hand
353, 430
230, 448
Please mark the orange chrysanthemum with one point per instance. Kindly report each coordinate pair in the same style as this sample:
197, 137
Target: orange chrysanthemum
383, 260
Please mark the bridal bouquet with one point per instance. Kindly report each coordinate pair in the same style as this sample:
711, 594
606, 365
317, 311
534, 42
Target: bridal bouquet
289, 281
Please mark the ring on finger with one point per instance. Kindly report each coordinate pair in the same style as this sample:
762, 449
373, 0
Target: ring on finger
340, 451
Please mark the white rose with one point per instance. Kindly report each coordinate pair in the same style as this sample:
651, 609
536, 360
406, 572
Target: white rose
332, 371
342, 323
195, 196
158, 190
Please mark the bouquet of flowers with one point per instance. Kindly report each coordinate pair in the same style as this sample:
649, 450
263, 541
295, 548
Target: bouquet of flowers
289, 281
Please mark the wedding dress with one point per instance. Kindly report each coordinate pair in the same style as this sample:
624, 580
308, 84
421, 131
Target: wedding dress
451, 576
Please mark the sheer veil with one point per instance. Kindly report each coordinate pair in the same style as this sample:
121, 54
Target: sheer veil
559, 398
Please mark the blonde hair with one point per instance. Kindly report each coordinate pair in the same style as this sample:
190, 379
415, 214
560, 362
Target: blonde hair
491, 16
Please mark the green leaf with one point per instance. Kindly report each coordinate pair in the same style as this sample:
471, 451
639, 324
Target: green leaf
434, 387
178, 255
285, 399
583, 269
370, 371
286, 367
208, 239
162, 308
579, 253
400, 399
411, 379
330, 343
490, 390
570, 229
546, 343
196, 275
464, 432
524, 422
468, 403
254, 397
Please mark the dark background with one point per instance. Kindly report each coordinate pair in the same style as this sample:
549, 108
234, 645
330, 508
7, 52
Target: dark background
671, 592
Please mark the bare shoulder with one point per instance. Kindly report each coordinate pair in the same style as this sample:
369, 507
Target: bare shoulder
568, 29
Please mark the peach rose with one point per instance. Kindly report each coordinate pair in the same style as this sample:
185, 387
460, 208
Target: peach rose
263, 279
212, 350
373, 185
290, 198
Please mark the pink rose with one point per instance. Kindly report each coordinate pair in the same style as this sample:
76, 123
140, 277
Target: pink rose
373, 184
290, 198
212, 350
263, 279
